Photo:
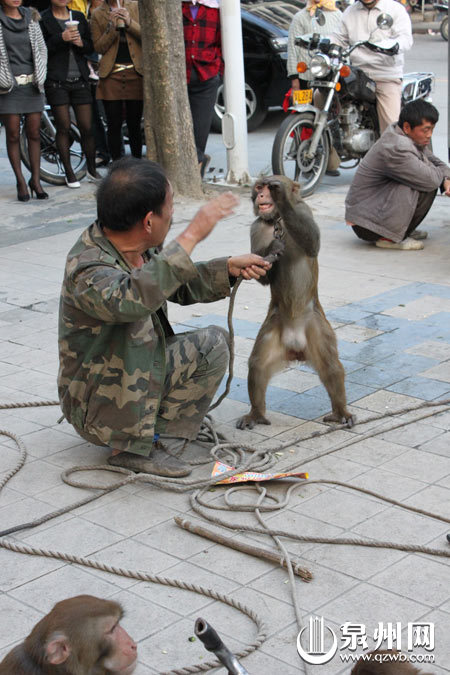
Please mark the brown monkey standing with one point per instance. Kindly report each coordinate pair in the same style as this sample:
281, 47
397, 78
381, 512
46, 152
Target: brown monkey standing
80, 636
295, 328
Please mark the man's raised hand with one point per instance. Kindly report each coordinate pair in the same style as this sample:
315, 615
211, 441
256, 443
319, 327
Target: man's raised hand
206, 218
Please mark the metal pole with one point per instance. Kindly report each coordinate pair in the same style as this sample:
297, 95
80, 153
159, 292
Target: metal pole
234, 122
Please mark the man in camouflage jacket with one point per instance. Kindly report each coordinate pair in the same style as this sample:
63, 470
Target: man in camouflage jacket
124, 377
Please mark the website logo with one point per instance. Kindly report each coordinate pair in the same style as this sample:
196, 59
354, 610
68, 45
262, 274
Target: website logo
317, 643
316, 654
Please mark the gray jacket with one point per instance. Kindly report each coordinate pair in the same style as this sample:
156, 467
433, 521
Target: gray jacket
384, 192
39, 49
301, 24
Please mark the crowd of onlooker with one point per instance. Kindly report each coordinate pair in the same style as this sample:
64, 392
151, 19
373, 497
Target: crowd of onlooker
55, 53
53, 48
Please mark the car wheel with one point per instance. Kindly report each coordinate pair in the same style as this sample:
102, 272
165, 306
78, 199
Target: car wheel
444, 28
256, 109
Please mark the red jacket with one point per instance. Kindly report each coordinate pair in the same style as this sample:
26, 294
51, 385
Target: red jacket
202, 41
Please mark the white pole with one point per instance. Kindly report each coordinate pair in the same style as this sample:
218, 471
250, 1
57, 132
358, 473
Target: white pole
234, 122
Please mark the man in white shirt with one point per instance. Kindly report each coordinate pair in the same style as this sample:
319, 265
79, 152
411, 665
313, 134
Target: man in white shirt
359, 22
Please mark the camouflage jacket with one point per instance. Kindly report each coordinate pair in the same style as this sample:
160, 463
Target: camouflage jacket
112, 322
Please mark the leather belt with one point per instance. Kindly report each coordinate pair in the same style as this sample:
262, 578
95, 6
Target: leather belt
121, 66
24, 79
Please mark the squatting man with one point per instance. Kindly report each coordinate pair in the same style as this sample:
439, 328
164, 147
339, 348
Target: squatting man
125, 379
396, 182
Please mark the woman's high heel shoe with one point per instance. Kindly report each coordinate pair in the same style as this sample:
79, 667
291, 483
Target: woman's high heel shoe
39, 195
73, 184
23, 198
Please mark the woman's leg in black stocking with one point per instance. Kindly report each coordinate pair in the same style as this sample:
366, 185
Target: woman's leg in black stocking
134, 115
32, 128
83, 114
114, 119
61, 116
12, 127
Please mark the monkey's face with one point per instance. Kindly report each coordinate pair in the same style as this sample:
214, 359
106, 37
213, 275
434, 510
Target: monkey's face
263, 203
121, 651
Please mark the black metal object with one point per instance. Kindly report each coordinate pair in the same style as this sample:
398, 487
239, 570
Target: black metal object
213, 643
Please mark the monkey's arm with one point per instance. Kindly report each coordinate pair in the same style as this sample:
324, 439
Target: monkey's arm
297, 219
274, 251
270, 249
263, 242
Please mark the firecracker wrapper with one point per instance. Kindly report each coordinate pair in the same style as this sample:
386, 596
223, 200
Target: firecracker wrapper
252, 476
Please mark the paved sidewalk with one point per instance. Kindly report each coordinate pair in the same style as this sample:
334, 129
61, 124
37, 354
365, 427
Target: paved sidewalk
391, 312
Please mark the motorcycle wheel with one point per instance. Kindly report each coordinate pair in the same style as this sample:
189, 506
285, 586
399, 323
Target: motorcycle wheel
444, 28
52, 170
290, 144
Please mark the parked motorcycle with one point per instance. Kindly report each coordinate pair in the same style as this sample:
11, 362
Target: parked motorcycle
441, 8
348, 121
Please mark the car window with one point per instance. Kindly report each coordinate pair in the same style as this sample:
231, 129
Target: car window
278, 13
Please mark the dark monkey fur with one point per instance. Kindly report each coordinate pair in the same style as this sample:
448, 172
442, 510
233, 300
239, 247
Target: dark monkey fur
295, 328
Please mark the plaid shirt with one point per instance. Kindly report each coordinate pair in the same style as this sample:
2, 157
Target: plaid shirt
202, 41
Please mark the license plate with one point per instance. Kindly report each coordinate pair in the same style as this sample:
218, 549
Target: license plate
300, 96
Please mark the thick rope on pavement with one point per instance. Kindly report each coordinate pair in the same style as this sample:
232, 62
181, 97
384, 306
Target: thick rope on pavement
26, 404
243, 457
156, 579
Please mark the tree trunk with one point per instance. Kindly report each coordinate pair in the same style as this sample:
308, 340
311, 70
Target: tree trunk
167, 114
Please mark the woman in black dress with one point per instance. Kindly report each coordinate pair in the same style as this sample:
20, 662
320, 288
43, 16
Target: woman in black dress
67, 82
23, 63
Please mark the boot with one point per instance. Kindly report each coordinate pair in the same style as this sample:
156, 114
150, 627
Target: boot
159, 462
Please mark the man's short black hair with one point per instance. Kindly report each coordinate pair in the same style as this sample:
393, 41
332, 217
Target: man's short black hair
416, 111
131, 189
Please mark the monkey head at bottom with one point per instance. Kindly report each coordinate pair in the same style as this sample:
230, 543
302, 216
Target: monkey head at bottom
80, 636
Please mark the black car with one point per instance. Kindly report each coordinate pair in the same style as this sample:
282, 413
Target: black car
265, 27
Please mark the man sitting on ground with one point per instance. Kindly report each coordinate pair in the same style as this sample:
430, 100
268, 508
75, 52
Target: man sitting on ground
397, 181
125, 378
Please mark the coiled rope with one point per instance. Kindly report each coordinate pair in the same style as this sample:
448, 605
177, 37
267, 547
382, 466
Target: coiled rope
243, 458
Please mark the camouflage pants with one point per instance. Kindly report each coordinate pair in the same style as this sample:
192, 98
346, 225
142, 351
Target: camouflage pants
196, 362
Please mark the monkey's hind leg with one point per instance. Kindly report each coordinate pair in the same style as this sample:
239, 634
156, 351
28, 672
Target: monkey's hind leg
266, 359
322, 353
